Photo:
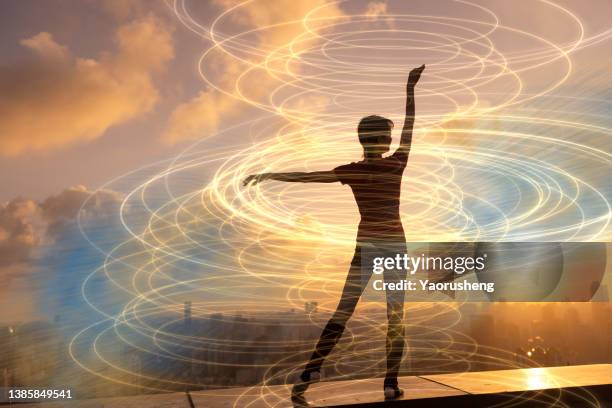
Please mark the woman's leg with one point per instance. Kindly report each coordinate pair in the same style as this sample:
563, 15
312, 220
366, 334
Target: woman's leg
395, 328
353, 288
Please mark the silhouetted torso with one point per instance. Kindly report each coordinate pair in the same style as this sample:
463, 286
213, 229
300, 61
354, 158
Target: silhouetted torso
376, 186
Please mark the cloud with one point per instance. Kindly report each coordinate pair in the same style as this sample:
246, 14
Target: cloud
27, 226
20, 231
55, 99
376, 8
376, 11
204, 114
44, 45
57, 210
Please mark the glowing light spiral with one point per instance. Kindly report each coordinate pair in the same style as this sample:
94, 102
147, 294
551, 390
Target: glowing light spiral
486, 166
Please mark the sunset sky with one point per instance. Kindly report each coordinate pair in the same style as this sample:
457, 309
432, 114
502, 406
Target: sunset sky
89, 87
93, 90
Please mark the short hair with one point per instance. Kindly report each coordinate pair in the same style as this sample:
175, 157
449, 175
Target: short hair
371, 124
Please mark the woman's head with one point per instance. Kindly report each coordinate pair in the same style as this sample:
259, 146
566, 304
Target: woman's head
375, 134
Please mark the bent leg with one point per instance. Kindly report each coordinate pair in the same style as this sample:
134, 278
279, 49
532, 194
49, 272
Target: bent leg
334, 328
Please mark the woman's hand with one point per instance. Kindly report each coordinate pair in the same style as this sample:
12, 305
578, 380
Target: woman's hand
414, 76
255, 179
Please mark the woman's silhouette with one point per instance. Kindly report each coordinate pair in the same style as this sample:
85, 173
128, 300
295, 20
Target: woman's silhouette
375, 182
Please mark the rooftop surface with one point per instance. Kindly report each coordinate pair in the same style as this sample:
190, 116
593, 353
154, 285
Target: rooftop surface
568, 386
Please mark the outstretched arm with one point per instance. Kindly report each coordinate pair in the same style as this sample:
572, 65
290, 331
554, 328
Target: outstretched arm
312, 177
406, 139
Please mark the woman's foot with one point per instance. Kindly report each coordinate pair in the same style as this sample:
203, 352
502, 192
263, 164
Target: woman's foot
392, 393
298, 400
300, 387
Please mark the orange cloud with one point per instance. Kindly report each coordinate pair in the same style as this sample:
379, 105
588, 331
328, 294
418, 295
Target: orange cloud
56, 99
204, 114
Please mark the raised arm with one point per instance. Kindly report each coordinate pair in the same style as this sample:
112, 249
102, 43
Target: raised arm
406, 139
312, 177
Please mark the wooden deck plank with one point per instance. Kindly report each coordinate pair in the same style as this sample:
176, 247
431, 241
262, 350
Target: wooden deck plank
527, 379
323, 394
